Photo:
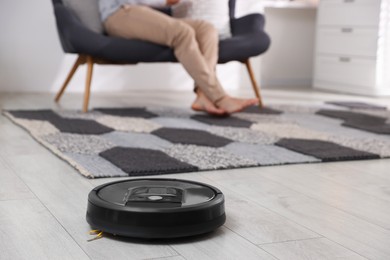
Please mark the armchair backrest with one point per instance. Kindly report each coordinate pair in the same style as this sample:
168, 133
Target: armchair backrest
232, 8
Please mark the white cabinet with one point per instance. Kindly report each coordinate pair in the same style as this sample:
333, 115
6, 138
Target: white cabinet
349, 12
352, 51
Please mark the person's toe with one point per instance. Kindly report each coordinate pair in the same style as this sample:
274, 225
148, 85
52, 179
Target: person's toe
215, 111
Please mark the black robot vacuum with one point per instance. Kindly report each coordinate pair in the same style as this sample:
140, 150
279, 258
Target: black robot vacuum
156, 208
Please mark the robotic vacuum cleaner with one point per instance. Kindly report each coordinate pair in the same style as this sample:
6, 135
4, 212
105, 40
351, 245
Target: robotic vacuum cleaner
156, 208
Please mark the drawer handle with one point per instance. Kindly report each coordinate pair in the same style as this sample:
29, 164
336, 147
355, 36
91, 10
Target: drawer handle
344, 59
349, 1
346, 30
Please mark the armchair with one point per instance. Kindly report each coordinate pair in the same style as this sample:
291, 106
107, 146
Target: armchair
248, 40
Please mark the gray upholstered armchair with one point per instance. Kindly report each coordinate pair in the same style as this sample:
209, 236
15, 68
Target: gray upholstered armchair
248, 40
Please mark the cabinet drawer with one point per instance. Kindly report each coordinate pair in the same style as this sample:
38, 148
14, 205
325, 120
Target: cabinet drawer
347, 41
349, 12
346, 70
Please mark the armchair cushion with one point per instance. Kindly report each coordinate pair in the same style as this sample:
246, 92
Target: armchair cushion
88, 13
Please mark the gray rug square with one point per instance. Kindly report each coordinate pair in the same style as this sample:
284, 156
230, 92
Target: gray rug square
191, 136
326, 151
139, 161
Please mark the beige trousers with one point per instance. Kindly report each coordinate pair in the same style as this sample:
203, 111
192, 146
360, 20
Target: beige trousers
195, 42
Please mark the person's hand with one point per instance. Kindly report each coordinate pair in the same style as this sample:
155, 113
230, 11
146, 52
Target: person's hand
172, 2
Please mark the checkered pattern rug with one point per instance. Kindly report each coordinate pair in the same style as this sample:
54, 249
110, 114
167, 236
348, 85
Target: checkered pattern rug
111, 142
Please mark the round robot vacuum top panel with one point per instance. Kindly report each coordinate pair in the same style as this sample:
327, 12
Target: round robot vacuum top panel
156, 208
165, 194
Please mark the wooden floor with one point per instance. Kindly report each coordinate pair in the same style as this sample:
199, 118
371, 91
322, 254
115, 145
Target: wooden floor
313, 211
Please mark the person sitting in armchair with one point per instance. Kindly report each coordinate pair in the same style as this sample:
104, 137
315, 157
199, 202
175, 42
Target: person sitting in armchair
195, 44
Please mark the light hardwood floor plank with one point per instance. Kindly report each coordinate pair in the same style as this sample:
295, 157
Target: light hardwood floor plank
260, 225
311, 249
220, 245
370, 177
343, 197
29, 231
167, 258
12, 188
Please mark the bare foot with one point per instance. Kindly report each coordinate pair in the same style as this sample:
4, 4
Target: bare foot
233, 105
202, 103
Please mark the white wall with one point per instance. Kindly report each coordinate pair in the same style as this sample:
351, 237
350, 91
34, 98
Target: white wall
30, 54
289, 62
31, 58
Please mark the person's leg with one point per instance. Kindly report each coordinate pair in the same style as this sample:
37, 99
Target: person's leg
144, 23
139, 22
208, 41
207, 37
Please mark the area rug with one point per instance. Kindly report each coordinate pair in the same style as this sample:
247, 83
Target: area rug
135, 141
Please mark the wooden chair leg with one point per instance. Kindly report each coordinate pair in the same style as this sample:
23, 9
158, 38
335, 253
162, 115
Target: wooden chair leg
254, 83
69, 77
88, 83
